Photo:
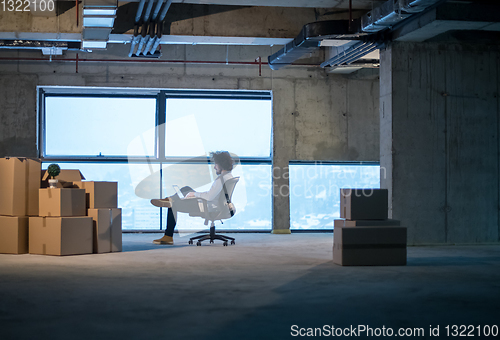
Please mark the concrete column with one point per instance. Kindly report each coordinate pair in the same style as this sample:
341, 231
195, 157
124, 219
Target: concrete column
439, 145
283, 151
18, 115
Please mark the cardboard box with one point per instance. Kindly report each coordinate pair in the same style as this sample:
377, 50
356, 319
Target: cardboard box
116, 230
107, 226
365, 223
60, 235
369, 246
19, 184
101, 219
364, 204
100, 194
62, 202
13, 234
65, 177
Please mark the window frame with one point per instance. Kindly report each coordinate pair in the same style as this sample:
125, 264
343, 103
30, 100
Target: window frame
161, 96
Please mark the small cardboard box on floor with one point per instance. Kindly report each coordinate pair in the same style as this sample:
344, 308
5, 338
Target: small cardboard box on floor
61, 202
107, 226
364, 204
13, 234
100, 194
65, 178
19, 184
369, 245
60, 235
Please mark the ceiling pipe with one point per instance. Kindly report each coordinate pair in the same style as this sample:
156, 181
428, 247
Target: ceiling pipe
147, 32
139, 11
208, 62
159, 32
136, 38
154, 37
147, 13
143, 39
144, 33
165, 10
157, 9
393, 12
153, 44
309, 40
366, 30
150, 44
151, 39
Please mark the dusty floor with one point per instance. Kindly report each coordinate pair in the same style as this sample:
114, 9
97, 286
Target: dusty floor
257, 289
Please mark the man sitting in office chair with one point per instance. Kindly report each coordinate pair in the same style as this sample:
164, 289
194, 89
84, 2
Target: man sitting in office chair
223, 166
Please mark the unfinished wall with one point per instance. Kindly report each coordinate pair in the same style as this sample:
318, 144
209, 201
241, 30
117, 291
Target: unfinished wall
316, 116
439, 110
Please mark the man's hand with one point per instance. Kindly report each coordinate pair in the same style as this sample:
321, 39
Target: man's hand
190, 195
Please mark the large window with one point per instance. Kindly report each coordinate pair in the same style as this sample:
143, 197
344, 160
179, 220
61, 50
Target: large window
97, 126
315, 190
147, 140
212, 124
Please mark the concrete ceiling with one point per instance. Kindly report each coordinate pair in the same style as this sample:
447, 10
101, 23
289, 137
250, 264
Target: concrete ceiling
249, 22
356, 4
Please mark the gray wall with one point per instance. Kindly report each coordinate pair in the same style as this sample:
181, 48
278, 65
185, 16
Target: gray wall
439, 110
317, 116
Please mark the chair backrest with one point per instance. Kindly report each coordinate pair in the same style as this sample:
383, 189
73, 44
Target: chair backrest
222, 211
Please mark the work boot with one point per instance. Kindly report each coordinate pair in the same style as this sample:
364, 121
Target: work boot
162, 203
164, 240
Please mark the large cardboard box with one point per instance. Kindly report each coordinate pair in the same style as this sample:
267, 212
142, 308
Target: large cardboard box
100, 194
365, 223
60, 235
107, 229
13, 234
364, 204
19, 184
65, 178
369, 246
62, 202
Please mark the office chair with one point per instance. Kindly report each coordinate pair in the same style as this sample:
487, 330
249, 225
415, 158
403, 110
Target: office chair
222, 210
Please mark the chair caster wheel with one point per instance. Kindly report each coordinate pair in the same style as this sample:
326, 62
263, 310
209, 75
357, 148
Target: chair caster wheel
198, 243
211, 241
190, 242
225, 244
232, 242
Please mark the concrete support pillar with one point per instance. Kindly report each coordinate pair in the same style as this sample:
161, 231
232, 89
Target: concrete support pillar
439, 145
283, 151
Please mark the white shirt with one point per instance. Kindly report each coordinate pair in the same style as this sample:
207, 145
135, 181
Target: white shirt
215, 189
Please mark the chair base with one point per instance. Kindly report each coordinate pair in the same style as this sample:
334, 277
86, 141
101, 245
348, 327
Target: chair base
212, 236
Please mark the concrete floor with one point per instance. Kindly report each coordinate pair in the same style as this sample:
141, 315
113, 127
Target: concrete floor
256, 289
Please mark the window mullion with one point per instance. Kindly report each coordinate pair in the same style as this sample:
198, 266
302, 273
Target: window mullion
161, 118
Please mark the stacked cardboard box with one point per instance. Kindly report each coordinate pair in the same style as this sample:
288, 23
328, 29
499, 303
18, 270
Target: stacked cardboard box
102, 206
365, 236
19, 184
74, 218
62, 227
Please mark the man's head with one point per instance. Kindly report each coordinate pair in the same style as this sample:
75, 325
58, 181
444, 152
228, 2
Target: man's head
222, 160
